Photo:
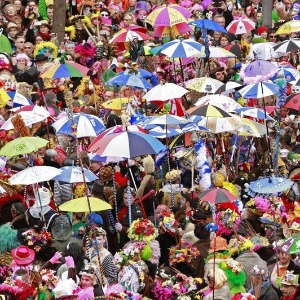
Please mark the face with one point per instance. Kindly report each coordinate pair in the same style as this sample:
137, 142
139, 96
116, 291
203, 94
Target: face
18, 5
28, 48
127, 20
12, 32
70, 48
31, 5
220, 75
217, 35
86, 281
224, 41
132, 3
50, 13
20, 43
220, 21
44, 29
283, 257
95, 166
287, 290
38, 39
87, 11
11, 11
128, 199
142, 15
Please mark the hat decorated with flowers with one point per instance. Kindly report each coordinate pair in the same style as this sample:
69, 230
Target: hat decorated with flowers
184, 252
218, 244
173, 175
169, 223
142, 230
260, 271
290, 278
237, 245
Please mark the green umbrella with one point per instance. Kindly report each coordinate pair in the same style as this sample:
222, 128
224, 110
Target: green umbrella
5, 45
22, 145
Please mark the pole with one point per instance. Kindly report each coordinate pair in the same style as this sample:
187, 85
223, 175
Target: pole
59, 19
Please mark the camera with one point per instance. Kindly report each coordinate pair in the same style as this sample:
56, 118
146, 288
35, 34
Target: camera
30, 9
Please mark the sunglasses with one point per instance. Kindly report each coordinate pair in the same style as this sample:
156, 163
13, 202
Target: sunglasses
27, 47
104, 14
220, 73
272, 36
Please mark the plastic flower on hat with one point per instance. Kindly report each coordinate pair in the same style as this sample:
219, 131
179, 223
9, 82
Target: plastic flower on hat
184, 252
142, 230
259, 242
168, 223
48, 278
125, 255
227, 221
36, 240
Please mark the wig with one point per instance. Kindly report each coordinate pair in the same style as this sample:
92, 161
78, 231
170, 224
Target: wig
9, 238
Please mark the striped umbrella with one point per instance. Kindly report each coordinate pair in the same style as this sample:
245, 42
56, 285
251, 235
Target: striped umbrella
259, 90
254, 112
128, 35
73, 174
241, 26
208, 111
287, 46
217, 195
133, 81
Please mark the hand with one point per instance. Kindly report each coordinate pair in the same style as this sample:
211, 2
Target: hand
56, 258
70, 262
118, 226
117, 168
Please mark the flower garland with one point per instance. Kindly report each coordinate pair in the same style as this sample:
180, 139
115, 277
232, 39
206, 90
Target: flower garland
142, 230
36, 240
218, 255
184, 252
227, 221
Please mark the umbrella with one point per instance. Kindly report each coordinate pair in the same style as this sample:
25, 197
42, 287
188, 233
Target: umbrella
219, 125
270, 185
173, 31
22, 145
104, 159
215, 52
130, 80
288, 72
82, 205
126, 144
166, 120
208, 110
5, 45
34, 175
251, 128
254, 112
203, 85
228, 87
291, 245
125, 35
217, 196
161, 133
207, 24
181, 48
168, 15
289, 27
287, 46
259, 90
18, 99
260, 68
221, 101
165, 92
264, 51
141, 72
4, 97
116, 103
86, 125
293, 102
73, 174
155, 50
240, 26
66, 69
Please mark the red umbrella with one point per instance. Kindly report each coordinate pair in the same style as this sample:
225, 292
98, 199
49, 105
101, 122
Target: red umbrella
217, 196
124, 36
293, 102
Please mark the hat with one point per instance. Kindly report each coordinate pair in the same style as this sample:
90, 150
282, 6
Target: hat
64, 288
205, 207
42, 197
23, 255
11, 25
290, 279
218, 244
44, 23
94, 219
196, 7
40, 57
262, 29
23, 56
215, 70
173, 175
237, 66
141, 5
295, 226
168, 223
198, 216
106, 173
260, 270
97, 187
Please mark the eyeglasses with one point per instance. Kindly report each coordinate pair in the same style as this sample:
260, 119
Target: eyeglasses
104, 14
220, 73
27, 48
22, 42
272, 36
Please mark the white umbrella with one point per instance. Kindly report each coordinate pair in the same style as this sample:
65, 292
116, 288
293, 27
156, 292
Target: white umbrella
228, 87
34, 175
203, 85
218, 125
215, 52
264, 51
165, 92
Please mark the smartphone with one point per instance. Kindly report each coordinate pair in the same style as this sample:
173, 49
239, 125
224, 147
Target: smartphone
217, 3
53, 35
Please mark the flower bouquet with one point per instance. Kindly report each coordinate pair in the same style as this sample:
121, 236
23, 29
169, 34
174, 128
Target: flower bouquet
36, 240
142, 230
227, 221
184, 252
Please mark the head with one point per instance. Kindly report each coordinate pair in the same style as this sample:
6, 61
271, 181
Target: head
224, 41
220, 19
28, 49
10, 10
284, 257
129, 197
87, 278
20, 42
12, 29
49, 11
289, 283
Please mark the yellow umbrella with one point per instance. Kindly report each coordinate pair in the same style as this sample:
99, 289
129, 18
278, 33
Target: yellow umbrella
289, 27
4, 98
81, 205
116, 103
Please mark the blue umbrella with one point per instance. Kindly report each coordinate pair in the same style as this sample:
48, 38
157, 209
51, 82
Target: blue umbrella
18, 99
160, 133
287, 71
133, 81
86, 125
208, 24
74, 174
141, 72
254, 112
259, 90
165, 121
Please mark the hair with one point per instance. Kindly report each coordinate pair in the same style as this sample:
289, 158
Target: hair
76, 251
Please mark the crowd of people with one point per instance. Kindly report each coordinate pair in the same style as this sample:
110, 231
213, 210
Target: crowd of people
162, 239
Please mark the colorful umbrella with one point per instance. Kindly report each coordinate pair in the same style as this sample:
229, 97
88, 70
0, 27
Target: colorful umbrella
203, 85
168, 15
106, 159
288, 72
221, 101
4, 98
240, 26
133, 81
66, 69
173, 31
125, 35
116, 103
161, 133
165, 92
127, 145
208, 110
208, 24
5, 45
72, 174
82, 205
82, 125
287, 46
141, 72
254, 112
251, 128
34, 175
259, 90
215, 52
217, 196
289, 27
166, 120
219, 125
18, 99
293, 102
22, 145
181, 48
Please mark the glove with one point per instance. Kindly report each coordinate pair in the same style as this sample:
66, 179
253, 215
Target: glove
56, 258
70, 262
118, 226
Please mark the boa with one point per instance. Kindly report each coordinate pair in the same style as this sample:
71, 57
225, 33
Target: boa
256, 79
9, 238
203, 166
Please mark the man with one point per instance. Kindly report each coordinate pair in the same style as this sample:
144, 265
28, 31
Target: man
19, 44
28, 49
50, 13
289, 286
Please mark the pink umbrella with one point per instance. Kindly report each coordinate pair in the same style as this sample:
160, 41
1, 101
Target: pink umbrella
173, 31
241, 26
128, 35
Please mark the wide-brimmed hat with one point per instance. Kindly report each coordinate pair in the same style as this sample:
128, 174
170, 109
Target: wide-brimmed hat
40, 57
23, 255
43, 23
173, 175
42, 197
218, 244
11, 25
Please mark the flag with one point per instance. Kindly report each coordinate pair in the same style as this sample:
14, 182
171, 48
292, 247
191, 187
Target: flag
176, 107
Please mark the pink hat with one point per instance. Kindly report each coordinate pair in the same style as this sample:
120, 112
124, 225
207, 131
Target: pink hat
197, 7
23, 56
23, 255
106, 21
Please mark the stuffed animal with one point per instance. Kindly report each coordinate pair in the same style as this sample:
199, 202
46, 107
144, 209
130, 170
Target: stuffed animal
125, 118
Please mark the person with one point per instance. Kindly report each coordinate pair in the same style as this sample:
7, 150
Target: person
18, 214
289, 286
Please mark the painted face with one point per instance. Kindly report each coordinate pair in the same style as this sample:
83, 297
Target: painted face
142, 15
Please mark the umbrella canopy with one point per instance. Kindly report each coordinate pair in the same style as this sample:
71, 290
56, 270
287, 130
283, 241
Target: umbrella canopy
141, 72
161, 133
116, 103
18, 99
208, 110
72, 174
203, 85
168, 15
66, 69
270, 185
165, 92
259, 90
166, 120
251, 128
221, 101
288, 72
34, 175
82, 205
131, 80
125, 35
289, 27
104, 159
126, 144
215, 52
22, 145
240, 26
219, 125
217, 196
287, 46
208, 24
293, 102
4, 97
264, 51
260, 68
254, 112
173, 31
228, 87
86, 125
181, 48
